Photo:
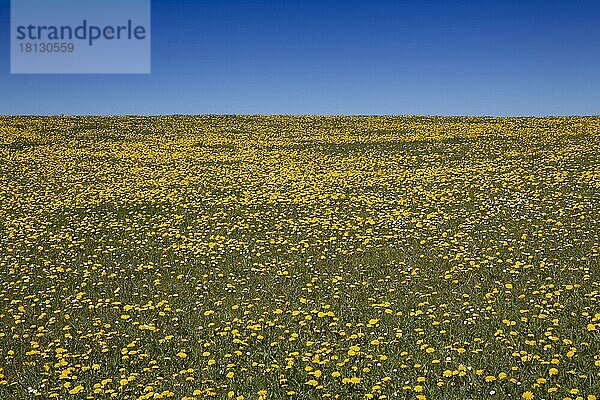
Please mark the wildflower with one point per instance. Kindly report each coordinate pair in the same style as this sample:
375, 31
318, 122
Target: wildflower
76, 389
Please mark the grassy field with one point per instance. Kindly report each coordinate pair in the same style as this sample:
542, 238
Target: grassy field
252, 257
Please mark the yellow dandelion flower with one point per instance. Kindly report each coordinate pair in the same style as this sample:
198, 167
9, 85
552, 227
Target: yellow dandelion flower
527, 395
76, 389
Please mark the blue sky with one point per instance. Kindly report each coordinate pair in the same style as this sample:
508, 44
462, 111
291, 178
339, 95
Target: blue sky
346, 57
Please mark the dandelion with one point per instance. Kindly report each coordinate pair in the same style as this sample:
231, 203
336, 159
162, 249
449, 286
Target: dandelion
527, 395
76, 389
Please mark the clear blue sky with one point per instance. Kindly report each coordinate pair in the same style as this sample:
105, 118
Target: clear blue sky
340, 57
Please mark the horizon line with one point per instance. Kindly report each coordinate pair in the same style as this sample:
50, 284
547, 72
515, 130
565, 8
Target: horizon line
309, 115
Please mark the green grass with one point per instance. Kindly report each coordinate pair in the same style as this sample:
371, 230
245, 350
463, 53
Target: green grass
299, 257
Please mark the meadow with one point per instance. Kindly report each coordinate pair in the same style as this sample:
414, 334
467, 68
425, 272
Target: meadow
280, 257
